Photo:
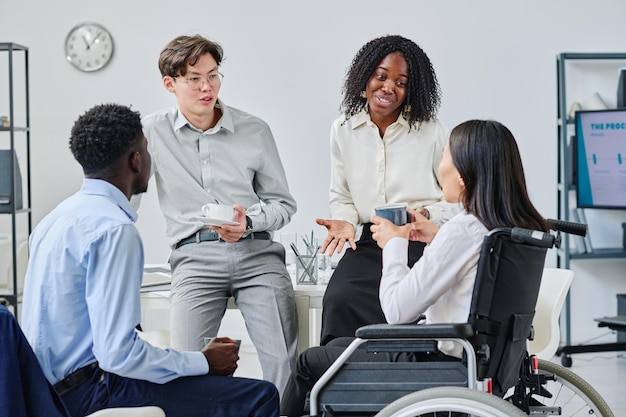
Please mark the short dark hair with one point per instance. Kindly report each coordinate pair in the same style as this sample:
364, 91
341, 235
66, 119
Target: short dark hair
186, 50
487, 157
423, 93
103, 135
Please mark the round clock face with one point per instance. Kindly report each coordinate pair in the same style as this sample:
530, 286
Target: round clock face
89, 47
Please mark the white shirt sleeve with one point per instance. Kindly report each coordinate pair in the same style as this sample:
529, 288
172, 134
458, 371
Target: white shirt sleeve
440, 284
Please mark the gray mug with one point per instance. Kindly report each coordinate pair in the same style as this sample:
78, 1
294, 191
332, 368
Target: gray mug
395, 213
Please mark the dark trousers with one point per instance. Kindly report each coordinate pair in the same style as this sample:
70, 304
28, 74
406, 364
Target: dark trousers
313, 362
351, 298
197, 396
24, 390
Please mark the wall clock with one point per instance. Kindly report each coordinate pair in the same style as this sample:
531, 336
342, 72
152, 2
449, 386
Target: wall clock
89, 47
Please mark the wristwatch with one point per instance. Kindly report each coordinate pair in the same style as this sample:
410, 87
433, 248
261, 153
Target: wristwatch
248, 230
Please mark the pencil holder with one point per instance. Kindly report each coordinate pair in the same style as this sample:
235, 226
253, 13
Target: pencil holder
306, 269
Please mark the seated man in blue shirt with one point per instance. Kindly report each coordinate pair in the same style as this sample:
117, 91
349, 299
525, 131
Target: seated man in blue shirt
81, 295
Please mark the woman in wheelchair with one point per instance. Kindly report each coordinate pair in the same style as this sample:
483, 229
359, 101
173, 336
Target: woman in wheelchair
481, 169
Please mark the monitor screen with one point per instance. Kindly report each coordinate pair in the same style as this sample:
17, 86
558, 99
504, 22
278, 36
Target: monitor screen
599, 161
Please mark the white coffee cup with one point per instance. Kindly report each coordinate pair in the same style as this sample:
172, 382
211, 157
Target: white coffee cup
218, 212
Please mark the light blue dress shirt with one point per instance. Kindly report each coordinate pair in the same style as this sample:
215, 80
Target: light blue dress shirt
81, 293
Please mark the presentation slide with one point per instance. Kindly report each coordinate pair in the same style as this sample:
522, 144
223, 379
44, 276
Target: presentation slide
601, 147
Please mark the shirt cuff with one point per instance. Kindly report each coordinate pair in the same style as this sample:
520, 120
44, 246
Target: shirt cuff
396, 250
199, 363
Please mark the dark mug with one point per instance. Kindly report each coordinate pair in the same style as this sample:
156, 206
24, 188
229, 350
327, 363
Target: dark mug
208, 339
395, 213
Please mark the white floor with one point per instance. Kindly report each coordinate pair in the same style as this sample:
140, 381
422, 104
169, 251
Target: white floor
606, 372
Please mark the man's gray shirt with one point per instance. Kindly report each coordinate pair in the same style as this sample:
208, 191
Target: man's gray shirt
235, 162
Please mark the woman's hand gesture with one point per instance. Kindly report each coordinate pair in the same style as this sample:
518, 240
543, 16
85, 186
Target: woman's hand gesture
339, 232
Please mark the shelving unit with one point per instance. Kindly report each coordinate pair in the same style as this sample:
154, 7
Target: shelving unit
16, 138
565, 127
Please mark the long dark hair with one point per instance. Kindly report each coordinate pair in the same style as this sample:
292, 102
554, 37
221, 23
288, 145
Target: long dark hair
423, 94
487, 157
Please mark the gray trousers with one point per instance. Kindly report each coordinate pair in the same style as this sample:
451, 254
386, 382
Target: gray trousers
206, 274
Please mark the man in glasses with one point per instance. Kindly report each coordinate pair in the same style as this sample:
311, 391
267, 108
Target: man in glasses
207, 152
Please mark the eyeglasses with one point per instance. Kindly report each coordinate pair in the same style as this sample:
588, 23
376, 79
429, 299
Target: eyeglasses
213, 79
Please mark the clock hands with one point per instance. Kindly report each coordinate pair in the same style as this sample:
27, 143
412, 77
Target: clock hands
87, 43
96, 38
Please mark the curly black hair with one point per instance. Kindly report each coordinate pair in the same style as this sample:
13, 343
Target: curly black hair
184, 50
102, 136
423, 94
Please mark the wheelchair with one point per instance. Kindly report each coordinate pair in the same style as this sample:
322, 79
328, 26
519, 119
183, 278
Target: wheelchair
496, 377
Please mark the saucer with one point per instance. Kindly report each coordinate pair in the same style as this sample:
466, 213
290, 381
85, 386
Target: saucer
216, 222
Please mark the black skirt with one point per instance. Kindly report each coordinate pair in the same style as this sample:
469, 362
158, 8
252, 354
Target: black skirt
351, 298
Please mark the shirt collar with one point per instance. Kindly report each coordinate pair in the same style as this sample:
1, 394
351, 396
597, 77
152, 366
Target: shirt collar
363, 117
106, 189
226, 121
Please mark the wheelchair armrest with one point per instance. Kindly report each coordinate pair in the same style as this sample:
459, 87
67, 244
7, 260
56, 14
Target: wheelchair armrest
416, 331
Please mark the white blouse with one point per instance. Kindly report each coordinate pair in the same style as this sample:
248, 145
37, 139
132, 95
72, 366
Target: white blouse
440, 284
402, 167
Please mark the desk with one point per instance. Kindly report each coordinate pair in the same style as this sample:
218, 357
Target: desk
308, 298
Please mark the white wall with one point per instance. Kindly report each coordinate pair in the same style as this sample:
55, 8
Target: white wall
285, 62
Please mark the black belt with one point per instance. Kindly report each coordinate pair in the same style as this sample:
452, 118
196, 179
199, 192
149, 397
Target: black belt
75, 378
208, 235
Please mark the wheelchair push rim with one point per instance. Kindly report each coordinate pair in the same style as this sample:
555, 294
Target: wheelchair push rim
450, 399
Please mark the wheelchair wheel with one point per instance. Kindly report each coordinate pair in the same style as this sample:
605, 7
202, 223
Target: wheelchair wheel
446, 401
572, 393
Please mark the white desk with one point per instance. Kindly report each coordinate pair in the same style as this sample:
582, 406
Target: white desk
308, 303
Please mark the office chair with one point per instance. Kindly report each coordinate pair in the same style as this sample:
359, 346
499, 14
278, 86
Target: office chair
555, 284
148, 411
22, 262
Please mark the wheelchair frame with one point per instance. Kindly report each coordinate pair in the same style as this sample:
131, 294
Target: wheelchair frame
537, 378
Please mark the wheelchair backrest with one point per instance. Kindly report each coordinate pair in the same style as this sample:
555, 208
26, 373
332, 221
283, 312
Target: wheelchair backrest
503, 306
